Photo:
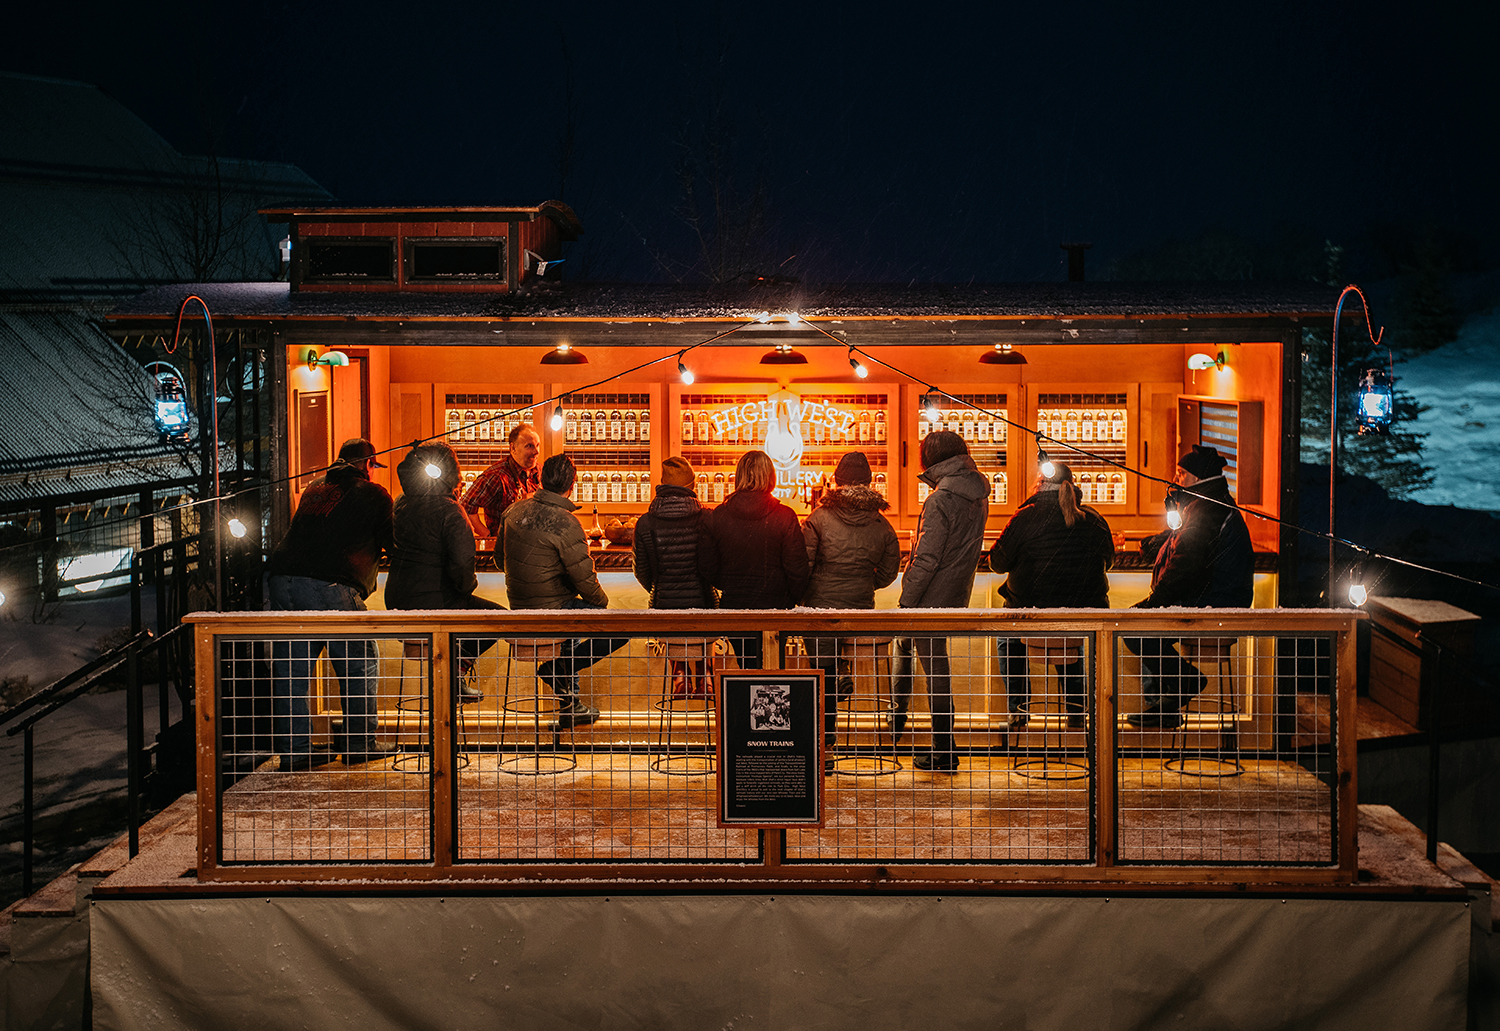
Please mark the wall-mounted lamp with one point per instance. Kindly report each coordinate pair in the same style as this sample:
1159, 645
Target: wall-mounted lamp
565, 354
328, 358
1200, 361
1002, 354
783, 354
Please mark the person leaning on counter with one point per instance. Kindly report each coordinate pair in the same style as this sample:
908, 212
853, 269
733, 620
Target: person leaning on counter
514, 477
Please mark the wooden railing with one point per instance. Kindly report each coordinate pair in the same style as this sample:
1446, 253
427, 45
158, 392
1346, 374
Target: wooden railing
1254, 784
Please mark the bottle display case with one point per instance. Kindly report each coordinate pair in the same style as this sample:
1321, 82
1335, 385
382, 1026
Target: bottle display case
1099, 424
986, 433
805, 433
478, 426
609, 436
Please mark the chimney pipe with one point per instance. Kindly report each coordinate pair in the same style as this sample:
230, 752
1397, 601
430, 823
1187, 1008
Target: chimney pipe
1075, 260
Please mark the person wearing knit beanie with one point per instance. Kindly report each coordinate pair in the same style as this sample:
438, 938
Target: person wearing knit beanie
1203, 462
676, 472
853, 468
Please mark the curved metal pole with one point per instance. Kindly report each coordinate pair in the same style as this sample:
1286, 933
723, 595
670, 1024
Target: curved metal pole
1333, 423
213, 418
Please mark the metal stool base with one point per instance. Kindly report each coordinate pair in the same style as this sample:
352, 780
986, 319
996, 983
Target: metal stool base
559, 764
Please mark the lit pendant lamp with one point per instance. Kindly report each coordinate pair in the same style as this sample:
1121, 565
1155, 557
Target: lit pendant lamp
1002, 354
564, 354
783, 354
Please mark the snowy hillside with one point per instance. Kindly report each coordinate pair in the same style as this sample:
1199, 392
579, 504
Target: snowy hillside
1461, 383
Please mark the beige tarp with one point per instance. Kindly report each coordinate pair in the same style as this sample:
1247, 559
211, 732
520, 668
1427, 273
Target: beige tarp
762, 963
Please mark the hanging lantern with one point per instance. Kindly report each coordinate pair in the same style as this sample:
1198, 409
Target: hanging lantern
169, 409
1376, 404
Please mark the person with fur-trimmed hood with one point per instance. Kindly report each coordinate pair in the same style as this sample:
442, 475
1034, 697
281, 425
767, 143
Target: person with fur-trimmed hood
852, 552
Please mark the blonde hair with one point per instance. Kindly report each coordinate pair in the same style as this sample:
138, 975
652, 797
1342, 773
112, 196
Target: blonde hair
1067, 492
754, 472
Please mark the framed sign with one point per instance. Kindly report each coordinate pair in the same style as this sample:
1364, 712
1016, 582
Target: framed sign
770, 765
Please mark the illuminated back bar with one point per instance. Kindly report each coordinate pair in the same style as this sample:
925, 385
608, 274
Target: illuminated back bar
1122, 377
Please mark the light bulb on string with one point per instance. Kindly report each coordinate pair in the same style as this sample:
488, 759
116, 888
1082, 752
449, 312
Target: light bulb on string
2, 597
857, 365
1358, 594
433, 469
1174, 511
237, 529
556, 422
930, 405
1044, 464
685, 372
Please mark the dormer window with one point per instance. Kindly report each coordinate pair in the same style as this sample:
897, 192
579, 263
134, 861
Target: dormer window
346, 259
477, 259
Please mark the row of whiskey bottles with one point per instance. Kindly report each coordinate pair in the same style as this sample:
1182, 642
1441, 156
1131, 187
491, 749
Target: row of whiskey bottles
470, 425
698, 427
999, 490
615, 426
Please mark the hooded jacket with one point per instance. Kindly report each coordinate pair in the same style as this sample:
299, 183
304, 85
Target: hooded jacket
950, 537
757, 556
1208, 560
666, 550
432, 566
852, 550
547, 560
341, 526
1051, 564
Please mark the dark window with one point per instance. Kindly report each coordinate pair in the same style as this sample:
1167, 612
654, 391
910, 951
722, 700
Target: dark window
371, 258
450, 260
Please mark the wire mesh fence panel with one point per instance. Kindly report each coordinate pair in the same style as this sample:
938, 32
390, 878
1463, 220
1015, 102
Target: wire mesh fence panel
956, 749
1208, 768
348, 775
591, 749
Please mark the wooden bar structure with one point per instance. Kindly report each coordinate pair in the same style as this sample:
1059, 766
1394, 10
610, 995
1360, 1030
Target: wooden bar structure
1113, 758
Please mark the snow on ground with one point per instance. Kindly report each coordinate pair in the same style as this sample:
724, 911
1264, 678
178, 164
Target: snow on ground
1462, 384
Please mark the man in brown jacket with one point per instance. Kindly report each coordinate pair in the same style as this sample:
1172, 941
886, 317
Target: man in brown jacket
547, 566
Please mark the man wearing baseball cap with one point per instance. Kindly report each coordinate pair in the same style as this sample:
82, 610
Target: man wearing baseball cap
1206, 561
328, 561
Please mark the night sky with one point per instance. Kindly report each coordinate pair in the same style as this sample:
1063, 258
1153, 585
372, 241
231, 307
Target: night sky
930, 142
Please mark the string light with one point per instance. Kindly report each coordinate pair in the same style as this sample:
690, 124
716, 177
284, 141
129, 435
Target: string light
434, 470
556, 422
1044, 464
1174, 510
857, 365
683, 371
237, 528
930, 405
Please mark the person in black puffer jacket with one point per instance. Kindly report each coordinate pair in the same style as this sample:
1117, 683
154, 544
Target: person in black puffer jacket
666, 560
754, 552
432, 564
1058, 553
1207, 561
852, 552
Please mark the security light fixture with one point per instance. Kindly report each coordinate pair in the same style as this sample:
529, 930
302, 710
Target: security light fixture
1200, 361
1002, 354
1376, 404
565, 354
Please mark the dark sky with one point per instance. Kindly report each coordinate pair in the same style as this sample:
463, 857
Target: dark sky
928, 142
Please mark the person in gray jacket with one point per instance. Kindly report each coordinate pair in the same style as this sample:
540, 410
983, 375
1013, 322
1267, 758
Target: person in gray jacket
852, 552
944, 559
547, 566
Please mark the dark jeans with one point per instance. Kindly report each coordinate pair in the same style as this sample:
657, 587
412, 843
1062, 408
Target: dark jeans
1015, 671
561, 674
355, 663
933, 653
1168, 681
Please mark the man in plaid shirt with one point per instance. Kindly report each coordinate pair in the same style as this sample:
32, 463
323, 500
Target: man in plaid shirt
515, 477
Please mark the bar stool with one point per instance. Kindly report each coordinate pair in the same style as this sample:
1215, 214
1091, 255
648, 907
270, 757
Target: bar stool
534, 651
849, 763
418, 650
1220, 652
689, 650
1051, 651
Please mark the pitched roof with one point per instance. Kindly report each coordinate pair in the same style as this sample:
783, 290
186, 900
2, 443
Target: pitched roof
75, 410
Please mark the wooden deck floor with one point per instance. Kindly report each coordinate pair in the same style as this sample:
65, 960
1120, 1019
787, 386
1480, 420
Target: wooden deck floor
614, 808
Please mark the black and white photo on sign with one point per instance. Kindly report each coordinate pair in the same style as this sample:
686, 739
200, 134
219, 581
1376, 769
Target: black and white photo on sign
770, 707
